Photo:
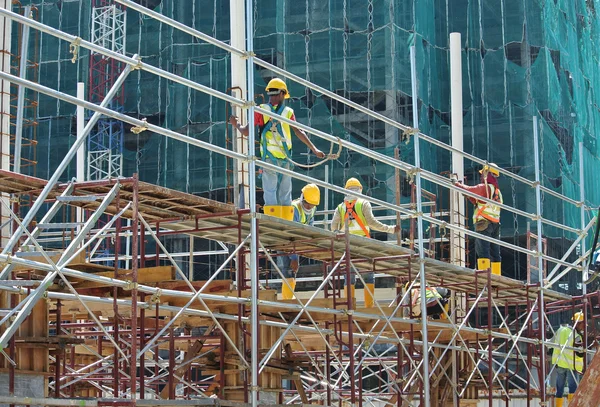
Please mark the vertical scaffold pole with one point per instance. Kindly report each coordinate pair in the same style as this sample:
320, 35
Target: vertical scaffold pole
541, 308
252, 202
582, 209
413, 73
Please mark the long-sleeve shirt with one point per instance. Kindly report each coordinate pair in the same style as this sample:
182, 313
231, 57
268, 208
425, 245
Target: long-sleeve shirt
478, 189
337, 223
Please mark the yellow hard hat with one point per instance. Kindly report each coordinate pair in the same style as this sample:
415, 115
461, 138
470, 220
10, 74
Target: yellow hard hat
353, 182
278, 84
578, 317
311, 194
491, 168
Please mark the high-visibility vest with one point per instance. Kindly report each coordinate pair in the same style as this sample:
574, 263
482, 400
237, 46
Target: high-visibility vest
276, 136
489, 211
357, 224
304, 219
431, 294
567, 358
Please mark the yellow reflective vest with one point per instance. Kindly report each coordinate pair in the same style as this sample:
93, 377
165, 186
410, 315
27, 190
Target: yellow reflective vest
357, 224
484, 210
567, 358
276, 136
305, 220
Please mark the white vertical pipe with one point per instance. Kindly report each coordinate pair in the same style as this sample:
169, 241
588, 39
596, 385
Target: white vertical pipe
582, 199
457, 203
238, 78
80, 174
6, 32
423, 282
326, 200
24, 52
253, 223
538, 201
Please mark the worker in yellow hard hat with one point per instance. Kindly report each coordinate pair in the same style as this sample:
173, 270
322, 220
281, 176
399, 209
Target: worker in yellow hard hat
276, 147
436, 301
486, 217
304, 212
569, 363
360, 218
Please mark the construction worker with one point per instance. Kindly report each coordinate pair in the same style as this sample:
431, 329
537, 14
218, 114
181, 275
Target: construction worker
360, 218
486, 217
436, 300
304, 212
276, 147
569, 363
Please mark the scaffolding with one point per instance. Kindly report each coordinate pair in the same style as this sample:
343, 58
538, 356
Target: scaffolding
150, 335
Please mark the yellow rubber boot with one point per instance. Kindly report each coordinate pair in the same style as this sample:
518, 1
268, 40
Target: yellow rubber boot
570, 398
287, 293
496, 268
558, 402
369, 292
483, 264
272, 210
287, 213
447, 309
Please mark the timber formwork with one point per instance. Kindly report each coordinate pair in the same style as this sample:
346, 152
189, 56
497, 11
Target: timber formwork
182, 340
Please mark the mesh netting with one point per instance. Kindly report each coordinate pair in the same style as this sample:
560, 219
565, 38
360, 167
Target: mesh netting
520, 58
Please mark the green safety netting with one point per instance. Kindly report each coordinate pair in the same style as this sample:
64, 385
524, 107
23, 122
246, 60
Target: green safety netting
520, 59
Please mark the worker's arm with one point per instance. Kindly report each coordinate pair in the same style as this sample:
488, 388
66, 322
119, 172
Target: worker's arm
374, 223
306, 140
478, 189
336, 222
258, 121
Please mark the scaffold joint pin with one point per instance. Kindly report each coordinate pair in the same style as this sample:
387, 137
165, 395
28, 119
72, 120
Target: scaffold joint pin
248, 54
138, 65
409, 131
155, 299
140, 128
130, 285
74, 49
248, 103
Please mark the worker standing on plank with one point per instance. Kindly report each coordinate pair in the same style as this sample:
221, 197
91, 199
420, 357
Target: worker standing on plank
486, 217
304, 212
569, 363
276, 147
360, 218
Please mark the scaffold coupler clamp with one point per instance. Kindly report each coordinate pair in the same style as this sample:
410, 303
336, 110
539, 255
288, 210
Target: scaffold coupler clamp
74, 48
140, 128
155, 299
409, 131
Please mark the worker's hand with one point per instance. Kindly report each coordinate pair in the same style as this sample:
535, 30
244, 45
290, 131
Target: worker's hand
319, 153
233, 121
294, 265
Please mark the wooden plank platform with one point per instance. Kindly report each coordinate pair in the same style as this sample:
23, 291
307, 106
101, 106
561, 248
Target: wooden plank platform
208, 219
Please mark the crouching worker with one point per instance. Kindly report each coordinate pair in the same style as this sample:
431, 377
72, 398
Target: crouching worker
437, 299
304, 212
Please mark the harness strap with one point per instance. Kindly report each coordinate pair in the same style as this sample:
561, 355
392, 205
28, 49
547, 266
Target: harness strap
351, 212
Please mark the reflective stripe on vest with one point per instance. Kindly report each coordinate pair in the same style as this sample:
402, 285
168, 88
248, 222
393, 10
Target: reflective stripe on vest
303, 218
566, 359
431, 294
353, 226
277, 137
488, 211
